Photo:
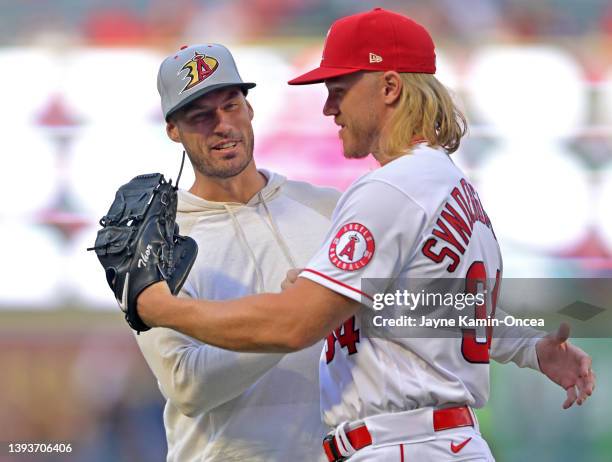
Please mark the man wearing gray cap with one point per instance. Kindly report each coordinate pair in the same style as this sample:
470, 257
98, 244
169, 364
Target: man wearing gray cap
251, 226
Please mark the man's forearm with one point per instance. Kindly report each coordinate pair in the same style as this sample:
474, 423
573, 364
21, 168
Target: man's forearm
290, 321
254, 323
197, 377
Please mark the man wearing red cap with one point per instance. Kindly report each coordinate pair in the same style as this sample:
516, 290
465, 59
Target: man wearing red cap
392, 389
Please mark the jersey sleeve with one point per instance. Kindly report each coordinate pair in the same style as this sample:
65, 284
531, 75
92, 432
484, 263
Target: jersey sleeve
374, 233
516, 344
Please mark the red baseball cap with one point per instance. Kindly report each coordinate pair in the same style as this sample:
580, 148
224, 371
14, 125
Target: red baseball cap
378, 40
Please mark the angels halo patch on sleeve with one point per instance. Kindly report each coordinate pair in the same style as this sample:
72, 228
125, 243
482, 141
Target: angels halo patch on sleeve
352, 248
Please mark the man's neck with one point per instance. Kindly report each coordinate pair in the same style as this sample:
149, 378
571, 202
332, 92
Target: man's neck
240, 188
385, 158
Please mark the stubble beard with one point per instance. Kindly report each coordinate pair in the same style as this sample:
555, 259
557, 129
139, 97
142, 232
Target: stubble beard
213, 168
360, 142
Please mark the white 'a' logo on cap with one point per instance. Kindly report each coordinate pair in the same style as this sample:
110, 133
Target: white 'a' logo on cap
374, 58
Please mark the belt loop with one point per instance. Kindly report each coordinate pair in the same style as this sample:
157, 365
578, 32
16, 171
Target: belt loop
474, 419
342, 442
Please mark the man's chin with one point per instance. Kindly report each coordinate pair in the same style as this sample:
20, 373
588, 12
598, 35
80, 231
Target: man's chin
225, 168
355, 154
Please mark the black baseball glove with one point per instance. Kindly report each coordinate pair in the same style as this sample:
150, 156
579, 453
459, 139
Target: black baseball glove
139, 243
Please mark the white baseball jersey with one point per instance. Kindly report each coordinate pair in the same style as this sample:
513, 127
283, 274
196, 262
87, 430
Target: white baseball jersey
415, 217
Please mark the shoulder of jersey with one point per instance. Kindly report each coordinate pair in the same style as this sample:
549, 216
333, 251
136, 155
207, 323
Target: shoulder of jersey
425, 159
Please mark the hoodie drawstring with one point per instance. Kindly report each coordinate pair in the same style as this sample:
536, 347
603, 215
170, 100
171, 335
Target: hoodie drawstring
277, 235
240, 232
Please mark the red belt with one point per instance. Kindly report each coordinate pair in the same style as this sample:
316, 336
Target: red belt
443, 419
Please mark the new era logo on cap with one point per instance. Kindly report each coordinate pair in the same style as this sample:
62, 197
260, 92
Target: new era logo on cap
374, 58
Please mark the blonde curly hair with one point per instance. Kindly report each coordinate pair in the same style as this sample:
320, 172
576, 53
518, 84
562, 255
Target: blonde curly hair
426, 111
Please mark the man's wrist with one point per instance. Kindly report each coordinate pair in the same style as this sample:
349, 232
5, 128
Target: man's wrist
154, 304
537, 353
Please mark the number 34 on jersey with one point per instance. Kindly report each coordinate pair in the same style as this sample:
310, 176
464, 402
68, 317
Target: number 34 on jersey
473, 349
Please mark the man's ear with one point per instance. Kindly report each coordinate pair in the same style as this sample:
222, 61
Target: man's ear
172, 131
250, 109
392, 87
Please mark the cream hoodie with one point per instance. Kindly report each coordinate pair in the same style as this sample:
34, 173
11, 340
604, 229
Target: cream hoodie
228, 406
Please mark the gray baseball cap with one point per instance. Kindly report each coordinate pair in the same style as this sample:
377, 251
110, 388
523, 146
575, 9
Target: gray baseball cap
194, 71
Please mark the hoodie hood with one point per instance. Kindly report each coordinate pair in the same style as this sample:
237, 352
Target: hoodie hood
192, 204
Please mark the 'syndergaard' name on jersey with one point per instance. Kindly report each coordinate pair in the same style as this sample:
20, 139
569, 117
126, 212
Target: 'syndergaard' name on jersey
461, 321
459, 214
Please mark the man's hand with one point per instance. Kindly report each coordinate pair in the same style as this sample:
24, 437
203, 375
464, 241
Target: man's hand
139, 243
566, 365
292, 276
152, 301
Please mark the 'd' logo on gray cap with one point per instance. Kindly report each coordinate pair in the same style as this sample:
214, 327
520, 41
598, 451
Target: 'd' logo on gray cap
195, 71
200, 67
